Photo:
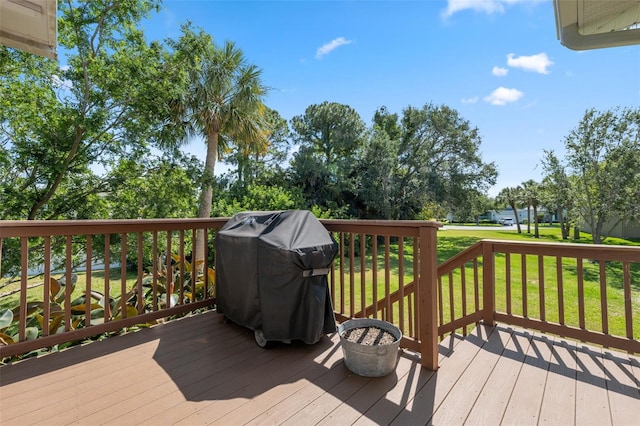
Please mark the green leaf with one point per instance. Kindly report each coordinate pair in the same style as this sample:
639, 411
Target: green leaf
6, 318
31, 333
55, 324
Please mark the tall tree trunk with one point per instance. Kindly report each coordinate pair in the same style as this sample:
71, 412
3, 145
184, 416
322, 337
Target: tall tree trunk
528, 217
206, 194
515, 214
563, 229
535, 220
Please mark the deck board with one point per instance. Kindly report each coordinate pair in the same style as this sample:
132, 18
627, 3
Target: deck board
499, 386
592, 401
559, 400
526, 398
454, 411
427, 399
622, 387
198, 370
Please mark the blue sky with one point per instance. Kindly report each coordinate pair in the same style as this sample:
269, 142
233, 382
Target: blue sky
497, 62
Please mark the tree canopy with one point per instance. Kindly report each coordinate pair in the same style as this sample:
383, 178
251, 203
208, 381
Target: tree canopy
101, 136
60, 124
602, 163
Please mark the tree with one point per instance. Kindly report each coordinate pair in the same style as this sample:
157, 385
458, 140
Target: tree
557, 190
530, 196
603, 154
428, 158
377, 184
223, 105
332, 130
478, 204
511, 196
329, 136
155, 188
262, 165
58, 124
439, 159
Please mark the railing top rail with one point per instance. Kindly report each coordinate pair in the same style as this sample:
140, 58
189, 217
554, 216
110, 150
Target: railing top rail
592, 251
396, 223
35, 228
400, 228
461, 258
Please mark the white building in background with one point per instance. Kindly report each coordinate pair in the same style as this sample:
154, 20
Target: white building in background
499, 216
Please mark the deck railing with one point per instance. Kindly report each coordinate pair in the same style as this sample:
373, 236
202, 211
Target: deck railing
384, 269
580, 291
50, 312
387, 270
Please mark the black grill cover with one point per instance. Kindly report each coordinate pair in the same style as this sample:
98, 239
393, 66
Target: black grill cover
271, 274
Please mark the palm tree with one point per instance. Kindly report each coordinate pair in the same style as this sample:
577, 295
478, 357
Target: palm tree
530, 190
223, 104
511, 196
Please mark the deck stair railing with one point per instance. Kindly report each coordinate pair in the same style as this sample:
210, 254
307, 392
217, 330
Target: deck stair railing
580, 291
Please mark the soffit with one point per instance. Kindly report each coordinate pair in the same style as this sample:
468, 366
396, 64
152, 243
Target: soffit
592, 24
29, 25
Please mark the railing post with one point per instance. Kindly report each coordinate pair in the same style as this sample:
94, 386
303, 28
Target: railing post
428, 298
488, 284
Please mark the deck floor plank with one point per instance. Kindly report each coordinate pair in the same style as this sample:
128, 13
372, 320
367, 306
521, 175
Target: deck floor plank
220, 393
319, 408
592, 401
525, 401
624, 400
388, 407
559, 400
319, 367
217, 361
351, 409
492, 402
454, 411
198, 370
427, 399
312, 390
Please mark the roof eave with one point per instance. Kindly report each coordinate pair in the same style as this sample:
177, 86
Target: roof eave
570, 37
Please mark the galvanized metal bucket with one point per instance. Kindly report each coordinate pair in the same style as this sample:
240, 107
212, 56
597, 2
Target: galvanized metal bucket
370, 360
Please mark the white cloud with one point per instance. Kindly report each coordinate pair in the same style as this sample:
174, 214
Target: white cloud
486, 6
499, 72
536, 63
332, 45
470, 100
502, 96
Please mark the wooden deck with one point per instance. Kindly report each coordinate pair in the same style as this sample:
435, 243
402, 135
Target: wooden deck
198, 370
